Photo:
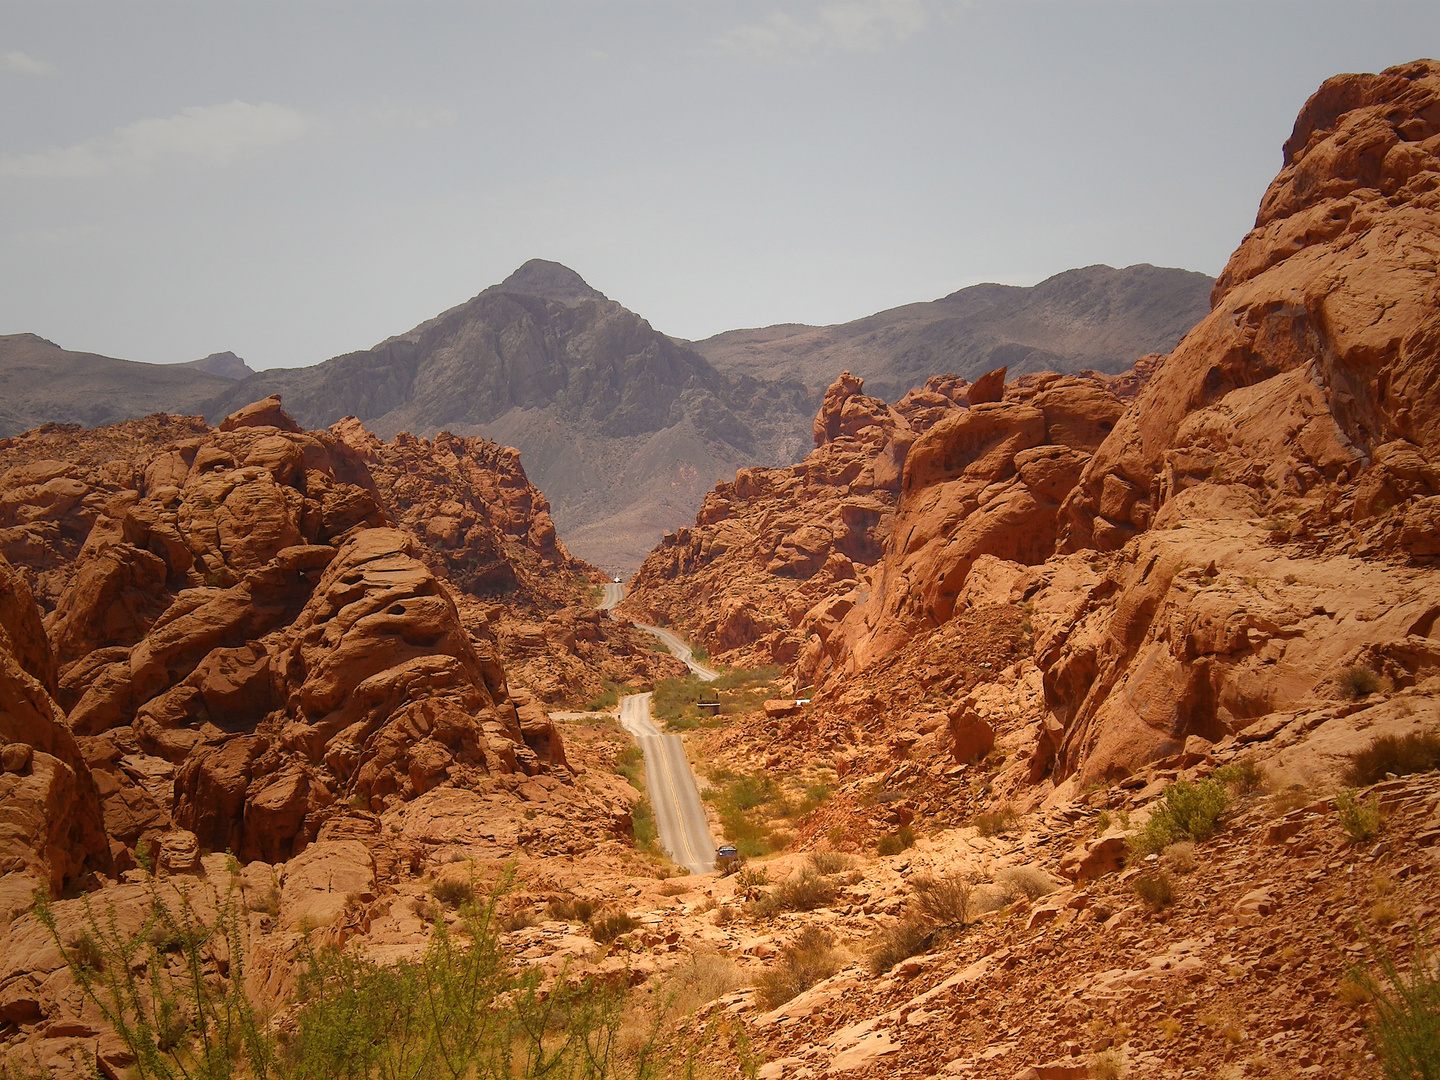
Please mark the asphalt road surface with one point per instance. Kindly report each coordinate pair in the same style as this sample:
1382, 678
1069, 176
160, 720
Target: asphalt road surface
684, 832
615, 592
679, 817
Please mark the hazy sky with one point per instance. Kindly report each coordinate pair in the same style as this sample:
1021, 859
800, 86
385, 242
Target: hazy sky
292, 179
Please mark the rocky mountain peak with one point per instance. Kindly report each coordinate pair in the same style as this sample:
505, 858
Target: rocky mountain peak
549, 281
225, 364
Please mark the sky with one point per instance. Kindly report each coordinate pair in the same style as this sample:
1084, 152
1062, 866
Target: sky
294, 179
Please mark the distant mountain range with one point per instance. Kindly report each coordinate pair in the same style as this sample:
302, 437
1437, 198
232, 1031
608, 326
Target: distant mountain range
624, 428
1096, 317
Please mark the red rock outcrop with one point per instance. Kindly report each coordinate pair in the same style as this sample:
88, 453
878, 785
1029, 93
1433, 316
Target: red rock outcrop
1246, 518
777, 544
479, 519
241, 635
1331, 302
51, 828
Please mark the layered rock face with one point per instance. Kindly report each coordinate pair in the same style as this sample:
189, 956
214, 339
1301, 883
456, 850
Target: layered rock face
246, 638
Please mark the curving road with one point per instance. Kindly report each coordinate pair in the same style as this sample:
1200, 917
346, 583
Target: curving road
615, 592
679, 817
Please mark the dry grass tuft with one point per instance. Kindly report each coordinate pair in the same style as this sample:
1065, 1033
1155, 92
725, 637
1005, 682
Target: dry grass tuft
907, 938
1155, 889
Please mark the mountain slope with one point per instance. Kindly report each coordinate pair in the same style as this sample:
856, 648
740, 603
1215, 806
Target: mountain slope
1096, 317
623, 428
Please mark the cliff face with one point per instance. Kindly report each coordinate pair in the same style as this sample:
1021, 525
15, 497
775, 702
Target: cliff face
1188, 557
1319, 359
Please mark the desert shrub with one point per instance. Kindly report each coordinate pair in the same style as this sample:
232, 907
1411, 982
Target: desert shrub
1155, 889
1402, 755
896, 842
831, 862
725, 914
1243, 777
571, 909
810, 958
675, 888
750, 880
515, 917
815, 796
746, 805
1187, 811
644, 828
453, 892
891, 944
1406, 1032
184, 1015
804, 891
607, 699
1291, 798
1358, 682
1360, 818
1179, 857
1028, 881
945, 901
1108, 1065
706, 976
606, 926
994, 822
460, 1010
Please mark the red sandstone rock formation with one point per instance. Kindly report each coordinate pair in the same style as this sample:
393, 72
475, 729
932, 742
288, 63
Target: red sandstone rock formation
1224, 505
241, 638
51, 830
1318, 362
777, 544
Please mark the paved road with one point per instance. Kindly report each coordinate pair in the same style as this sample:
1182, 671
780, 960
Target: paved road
684, 832
615, 592
679, 817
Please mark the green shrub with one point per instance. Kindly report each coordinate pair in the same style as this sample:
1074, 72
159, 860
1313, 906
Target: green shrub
909, 937
805, 891
1406, 1031
607, 699
179, 1006
1358, 682
750, 880
1402, 755
897, 841
806, 961
1187, 811
1028, 881
1155, 889
831, 862
571, 909
461, 1010
746, 804
1360, 818
1242, 777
